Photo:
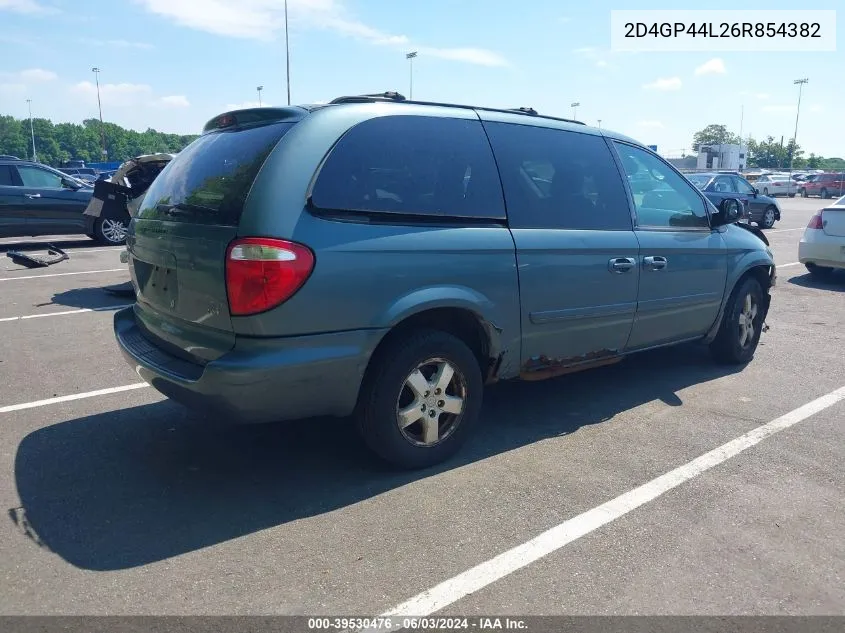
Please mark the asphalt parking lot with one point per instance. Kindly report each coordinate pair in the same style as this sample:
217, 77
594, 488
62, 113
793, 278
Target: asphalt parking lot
120, 502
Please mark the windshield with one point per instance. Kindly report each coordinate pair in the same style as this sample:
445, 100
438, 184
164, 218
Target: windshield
699, 180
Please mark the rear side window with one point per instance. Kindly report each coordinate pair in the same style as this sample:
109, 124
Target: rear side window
39, 178
559, 179
412, 165
208, 181
6, 178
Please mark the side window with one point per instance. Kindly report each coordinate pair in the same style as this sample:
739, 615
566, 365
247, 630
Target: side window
665, 199
412, 165
742, 186
6, 178
724, 184
559, 179
37, 177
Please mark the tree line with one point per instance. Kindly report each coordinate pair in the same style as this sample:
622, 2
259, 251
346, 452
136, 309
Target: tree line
58, 143
769, 153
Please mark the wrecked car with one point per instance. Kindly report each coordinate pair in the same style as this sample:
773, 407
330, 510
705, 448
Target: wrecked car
116, 199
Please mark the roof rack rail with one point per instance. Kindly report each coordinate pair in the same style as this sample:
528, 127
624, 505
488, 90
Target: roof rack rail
525, 110
390, 95
395, 97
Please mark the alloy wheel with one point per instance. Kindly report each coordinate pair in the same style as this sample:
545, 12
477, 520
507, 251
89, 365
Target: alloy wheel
431, 402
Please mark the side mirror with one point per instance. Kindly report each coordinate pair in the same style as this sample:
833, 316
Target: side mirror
67, 183
731, 211
756, 192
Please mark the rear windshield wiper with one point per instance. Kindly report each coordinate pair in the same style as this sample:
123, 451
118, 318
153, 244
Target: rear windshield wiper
184, 208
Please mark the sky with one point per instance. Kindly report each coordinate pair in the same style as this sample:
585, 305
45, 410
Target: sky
173, 64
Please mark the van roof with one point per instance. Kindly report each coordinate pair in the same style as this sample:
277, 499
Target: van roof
254, 116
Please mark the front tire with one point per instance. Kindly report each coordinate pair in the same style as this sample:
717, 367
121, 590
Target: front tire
421, 399
111, 231
803, 193
742, 323
825, 194
765, 191
768, 219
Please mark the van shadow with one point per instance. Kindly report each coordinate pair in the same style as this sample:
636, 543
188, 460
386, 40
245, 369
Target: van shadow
134, 486
836, 282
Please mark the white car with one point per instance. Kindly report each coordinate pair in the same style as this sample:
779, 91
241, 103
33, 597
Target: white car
776, 185
822, 247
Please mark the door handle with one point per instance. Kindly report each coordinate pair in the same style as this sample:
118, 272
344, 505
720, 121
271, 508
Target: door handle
621, 264
655, 262
32, 196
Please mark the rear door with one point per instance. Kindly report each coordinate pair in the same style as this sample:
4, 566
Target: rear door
683, 263
753, 202
51, 207
12, 207
178, 241
576, 249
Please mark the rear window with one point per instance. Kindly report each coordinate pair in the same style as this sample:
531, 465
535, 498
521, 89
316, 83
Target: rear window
414, 166
698, 180
208, 181
6, 179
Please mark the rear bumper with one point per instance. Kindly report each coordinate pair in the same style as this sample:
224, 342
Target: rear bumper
259, 380
822, 250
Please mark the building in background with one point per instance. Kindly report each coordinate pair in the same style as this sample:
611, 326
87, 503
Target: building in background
725, 157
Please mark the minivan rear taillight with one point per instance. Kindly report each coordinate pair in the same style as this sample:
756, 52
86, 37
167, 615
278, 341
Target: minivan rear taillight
262, 273
816, 222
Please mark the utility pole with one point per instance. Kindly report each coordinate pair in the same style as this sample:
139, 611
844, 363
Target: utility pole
96, 72
410, 57
800, 83
599, 120
259, 89
287, 52
574, 107
32, 131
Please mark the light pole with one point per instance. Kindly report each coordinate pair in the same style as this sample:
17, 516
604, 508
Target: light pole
574, 107
410, 57
599, 123
32, 131
287, 52
800, 83
259, 89
96, 72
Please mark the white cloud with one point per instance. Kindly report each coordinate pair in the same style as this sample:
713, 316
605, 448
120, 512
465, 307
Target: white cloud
714, 66
37, 75
593, 54
173, 101
25, 6
779, 108
601, 64
664, 84
477, 56
264, 19
244, 105
12, 90
762, 95
654, 125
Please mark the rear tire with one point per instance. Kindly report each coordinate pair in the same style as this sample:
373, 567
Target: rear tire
803, 193
822, 273
765, 191
825, 194
742, 323
111, 231
767, 221
403, 416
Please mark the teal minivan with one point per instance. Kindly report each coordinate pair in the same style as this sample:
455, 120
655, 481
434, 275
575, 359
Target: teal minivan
383, 259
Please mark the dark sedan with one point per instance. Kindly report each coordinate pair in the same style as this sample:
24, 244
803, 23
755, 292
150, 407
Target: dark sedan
761, 209
38, 200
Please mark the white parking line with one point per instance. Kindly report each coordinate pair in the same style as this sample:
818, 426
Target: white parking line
75, 396
80, 272
63, 313
490, 571
800, 228
788, 265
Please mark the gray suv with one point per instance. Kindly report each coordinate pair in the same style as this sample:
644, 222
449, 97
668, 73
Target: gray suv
385, 259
